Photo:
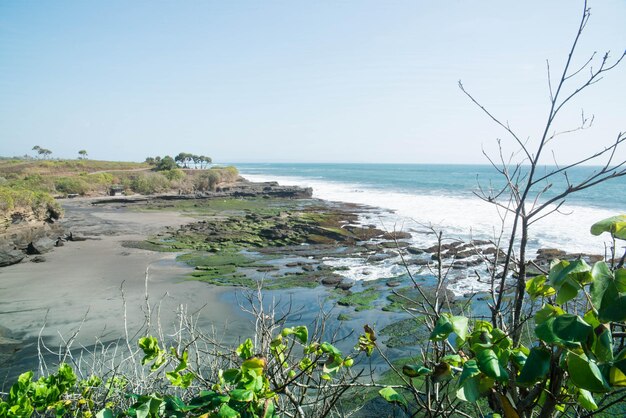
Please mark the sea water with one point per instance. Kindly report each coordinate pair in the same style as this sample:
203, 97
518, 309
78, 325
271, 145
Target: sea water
417, 197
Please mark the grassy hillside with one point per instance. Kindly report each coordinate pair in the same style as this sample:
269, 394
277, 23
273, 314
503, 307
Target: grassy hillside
30, 185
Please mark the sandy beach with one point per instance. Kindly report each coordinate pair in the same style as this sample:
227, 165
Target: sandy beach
80, 286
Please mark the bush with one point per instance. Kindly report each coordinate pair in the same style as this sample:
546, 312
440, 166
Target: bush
216, 175
166, 163
72, 185
174, 175
207, 181
149, 183
40, 203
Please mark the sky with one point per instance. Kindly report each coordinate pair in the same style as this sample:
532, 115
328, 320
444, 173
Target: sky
300, 81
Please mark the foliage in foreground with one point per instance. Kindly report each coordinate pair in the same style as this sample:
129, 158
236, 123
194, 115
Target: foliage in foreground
256, 385
572, 364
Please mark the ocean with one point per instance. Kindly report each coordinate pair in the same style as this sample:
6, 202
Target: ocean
419, 196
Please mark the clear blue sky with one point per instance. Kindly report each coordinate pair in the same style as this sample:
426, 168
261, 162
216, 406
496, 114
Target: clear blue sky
310, 81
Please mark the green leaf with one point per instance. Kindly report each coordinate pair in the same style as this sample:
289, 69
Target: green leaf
150, 347
565, 330
567, 278
443, 328
536, 367
105, 413
602, 346
452, 359
585, 399
301, 332
469, 390
567, 291
447, 324
570, 327
413, 370
617, 373
459, 326
227, 412
608, 293
615, 225
242, 395
330, 349
255, 365
488, 363
245, 350
519, 357
585, 373
470, 369
537, 286
391, 396
546, 312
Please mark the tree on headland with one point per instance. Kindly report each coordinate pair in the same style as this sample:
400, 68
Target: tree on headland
42, 151
184, 159
166, 163
82, 154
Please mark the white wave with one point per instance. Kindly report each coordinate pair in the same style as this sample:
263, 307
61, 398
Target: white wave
458, 217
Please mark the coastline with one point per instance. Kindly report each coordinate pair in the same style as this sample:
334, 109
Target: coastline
350, 267
79, 286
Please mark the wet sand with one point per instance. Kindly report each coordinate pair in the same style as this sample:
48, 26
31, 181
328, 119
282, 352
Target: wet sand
80, 284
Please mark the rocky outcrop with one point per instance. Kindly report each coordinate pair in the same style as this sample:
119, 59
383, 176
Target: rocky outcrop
27, 235
10, 256
40, 246
241, 188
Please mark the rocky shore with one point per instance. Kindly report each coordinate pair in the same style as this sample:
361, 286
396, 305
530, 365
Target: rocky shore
28, 236
236, 237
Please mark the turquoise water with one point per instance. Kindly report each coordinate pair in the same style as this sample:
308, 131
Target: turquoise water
415, 196
437, 179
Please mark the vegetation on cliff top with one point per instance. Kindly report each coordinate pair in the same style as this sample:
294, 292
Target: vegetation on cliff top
29, 184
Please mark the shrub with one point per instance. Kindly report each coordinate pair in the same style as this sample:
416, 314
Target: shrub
166, 163
71, 185
174, 175
149, 183
207, 181
40, 203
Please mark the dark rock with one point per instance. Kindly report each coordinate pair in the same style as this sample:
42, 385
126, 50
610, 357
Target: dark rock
394, 244
38, 259
331, 280
345, 285
72, 237
393, 283
395, 235
418, 262
41, 246
9, 256
414, 250
378, 257
59, 243
478, 242
550, 253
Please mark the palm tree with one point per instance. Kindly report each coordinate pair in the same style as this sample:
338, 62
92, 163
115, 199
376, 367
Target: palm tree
82, 154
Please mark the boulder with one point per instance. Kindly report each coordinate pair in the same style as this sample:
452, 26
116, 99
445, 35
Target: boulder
395, 235
41, 246
414, 250
331, 280
9, 256
378, 257
345, 285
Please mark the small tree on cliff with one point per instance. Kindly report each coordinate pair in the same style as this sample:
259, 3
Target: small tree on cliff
82, 154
